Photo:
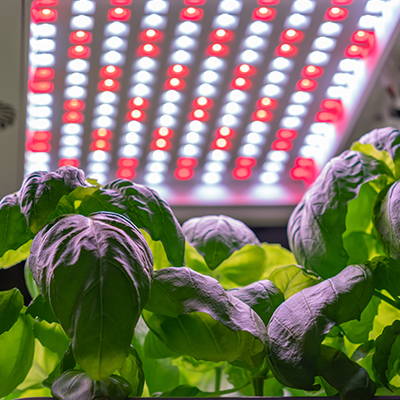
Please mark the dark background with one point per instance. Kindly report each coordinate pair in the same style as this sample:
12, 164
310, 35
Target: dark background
14, 277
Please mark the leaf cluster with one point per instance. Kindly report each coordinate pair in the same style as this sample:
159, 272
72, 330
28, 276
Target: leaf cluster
126, 302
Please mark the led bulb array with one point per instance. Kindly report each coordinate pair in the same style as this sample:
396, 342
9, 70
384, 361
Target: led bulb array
191, 93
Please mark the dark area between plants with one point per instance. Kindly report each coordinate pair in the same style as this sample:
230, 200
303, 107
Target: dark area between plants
126, 302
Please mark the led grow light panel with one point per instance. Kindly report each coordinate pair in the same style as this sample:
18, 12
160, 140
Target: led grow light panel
209, 101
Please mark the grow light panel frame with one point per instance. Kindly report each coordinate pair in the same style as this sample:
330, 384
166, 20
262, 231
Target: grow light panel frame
240, 197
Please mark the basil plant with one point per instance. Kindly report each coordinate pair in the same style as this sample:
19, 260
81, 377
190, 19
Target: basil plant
126, 302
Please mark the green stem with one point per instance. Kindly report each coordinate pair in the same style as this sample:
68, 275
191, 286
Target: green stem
388, 300
258, 386
218, 375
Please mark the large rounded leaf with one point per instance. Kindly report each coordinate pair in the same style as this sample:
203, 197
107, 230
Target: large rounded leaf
145, 209
14, 232
41, 191
16, 353
193, 315
96, 273
387, 219
297, 327
317, 224
76, 385
216, 237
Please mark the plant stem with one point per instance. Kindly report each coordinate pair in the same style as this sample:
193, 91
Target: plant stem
218, 375
388, 300
258, 386
227, 391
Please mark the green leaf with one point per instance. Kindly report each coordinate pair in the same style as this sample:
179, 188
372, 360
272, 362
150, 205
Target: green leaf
318, 222
385, 140
14, 232
262, 296
387, 219
11, 302
290, 279
195, 261
184, 391
387, 275
132, 372
155, 348
40, 308
41, 191
145, 209
194, 316
358, 331
76, 385
30, 282
51, 344
161, 374
345, 375
29, 393
160, 259
385, 316
80, 263
360, 210
217, 237
69, 203
13, 257
275, 257
383, 348
242, 267
17, 346
297, 327
361, 247
370, 150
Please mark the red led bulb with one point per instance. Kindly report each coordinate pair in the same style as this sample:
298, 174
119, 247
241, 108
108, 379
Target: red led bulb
73, 117
149, 50
336, 14
102, 133
108, 85
186, 162
175, 84
72, 162
286, 50
241, 83
79, 51
43, 74
221, 35
41, 86
192, 13
184, 174
118, 14
217, 50
267, 103
138, 102
281, 145
178, 70
43, 15
245, 70
292, 35
264, 13
246, 162
110, 71
151, 35
312, 71
286, 134
306, 84
202, 102
80, 37
74, 105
